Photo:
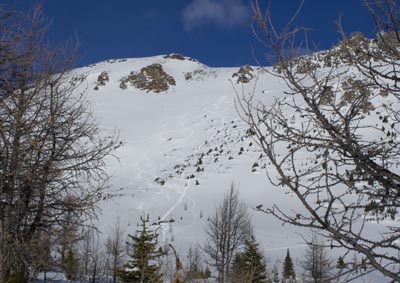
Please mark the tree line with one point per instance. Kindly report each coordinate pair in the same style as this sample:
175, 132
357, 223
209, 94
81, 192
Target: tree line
230, 254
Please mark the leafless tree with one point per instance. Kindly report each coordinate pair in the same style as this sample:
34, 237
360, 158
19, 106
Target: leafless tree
92, 257
66, 237
226, 232
193, 270
52, 152
316, 263
332, 138
115, 247
167, 263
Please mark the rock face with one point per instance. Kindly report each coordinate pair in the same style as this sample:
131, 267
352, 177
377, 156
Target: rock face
199, 75
175, 56
180, 57
244, 75
102, 80
152, 78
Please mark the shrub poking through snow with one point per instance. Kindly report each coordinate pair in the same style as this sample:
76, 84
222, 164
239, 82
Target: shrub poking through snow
159, 181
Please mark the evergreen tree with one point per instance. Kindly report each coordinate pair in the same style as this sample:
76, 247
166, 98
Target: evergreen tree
340, 263
249, 266
142, 267
70, 263
206, 273
288, 271
239, 273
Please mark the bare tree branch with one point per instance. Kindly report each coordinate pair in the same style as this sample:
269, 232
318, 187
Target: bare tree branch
332, 138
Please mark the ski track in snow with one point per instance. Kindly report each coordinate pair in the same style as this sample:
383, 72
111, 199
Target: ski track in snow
216, 109
144, 166
284, 248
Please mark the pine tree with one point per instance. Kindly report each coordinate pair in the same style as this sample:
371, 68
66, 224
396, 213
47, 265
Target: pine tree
340, 263
206, 273
239, 272
142, 267
288, 271
70, 263
249, 265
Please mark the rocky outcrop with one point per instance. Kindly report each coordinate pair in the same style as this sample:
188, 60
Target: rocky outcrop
152, 78
102, 80
180, 57
244, 75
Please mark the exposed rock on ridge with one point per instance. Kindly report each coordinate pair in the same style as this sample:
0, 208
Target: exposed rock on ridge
152, 78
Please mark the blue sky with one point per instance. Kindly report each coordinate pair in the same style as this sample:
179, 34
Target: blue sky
216, 32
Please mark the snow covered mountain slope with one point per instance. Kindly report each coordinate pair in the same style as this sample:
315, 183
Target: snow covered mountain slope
184, 145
